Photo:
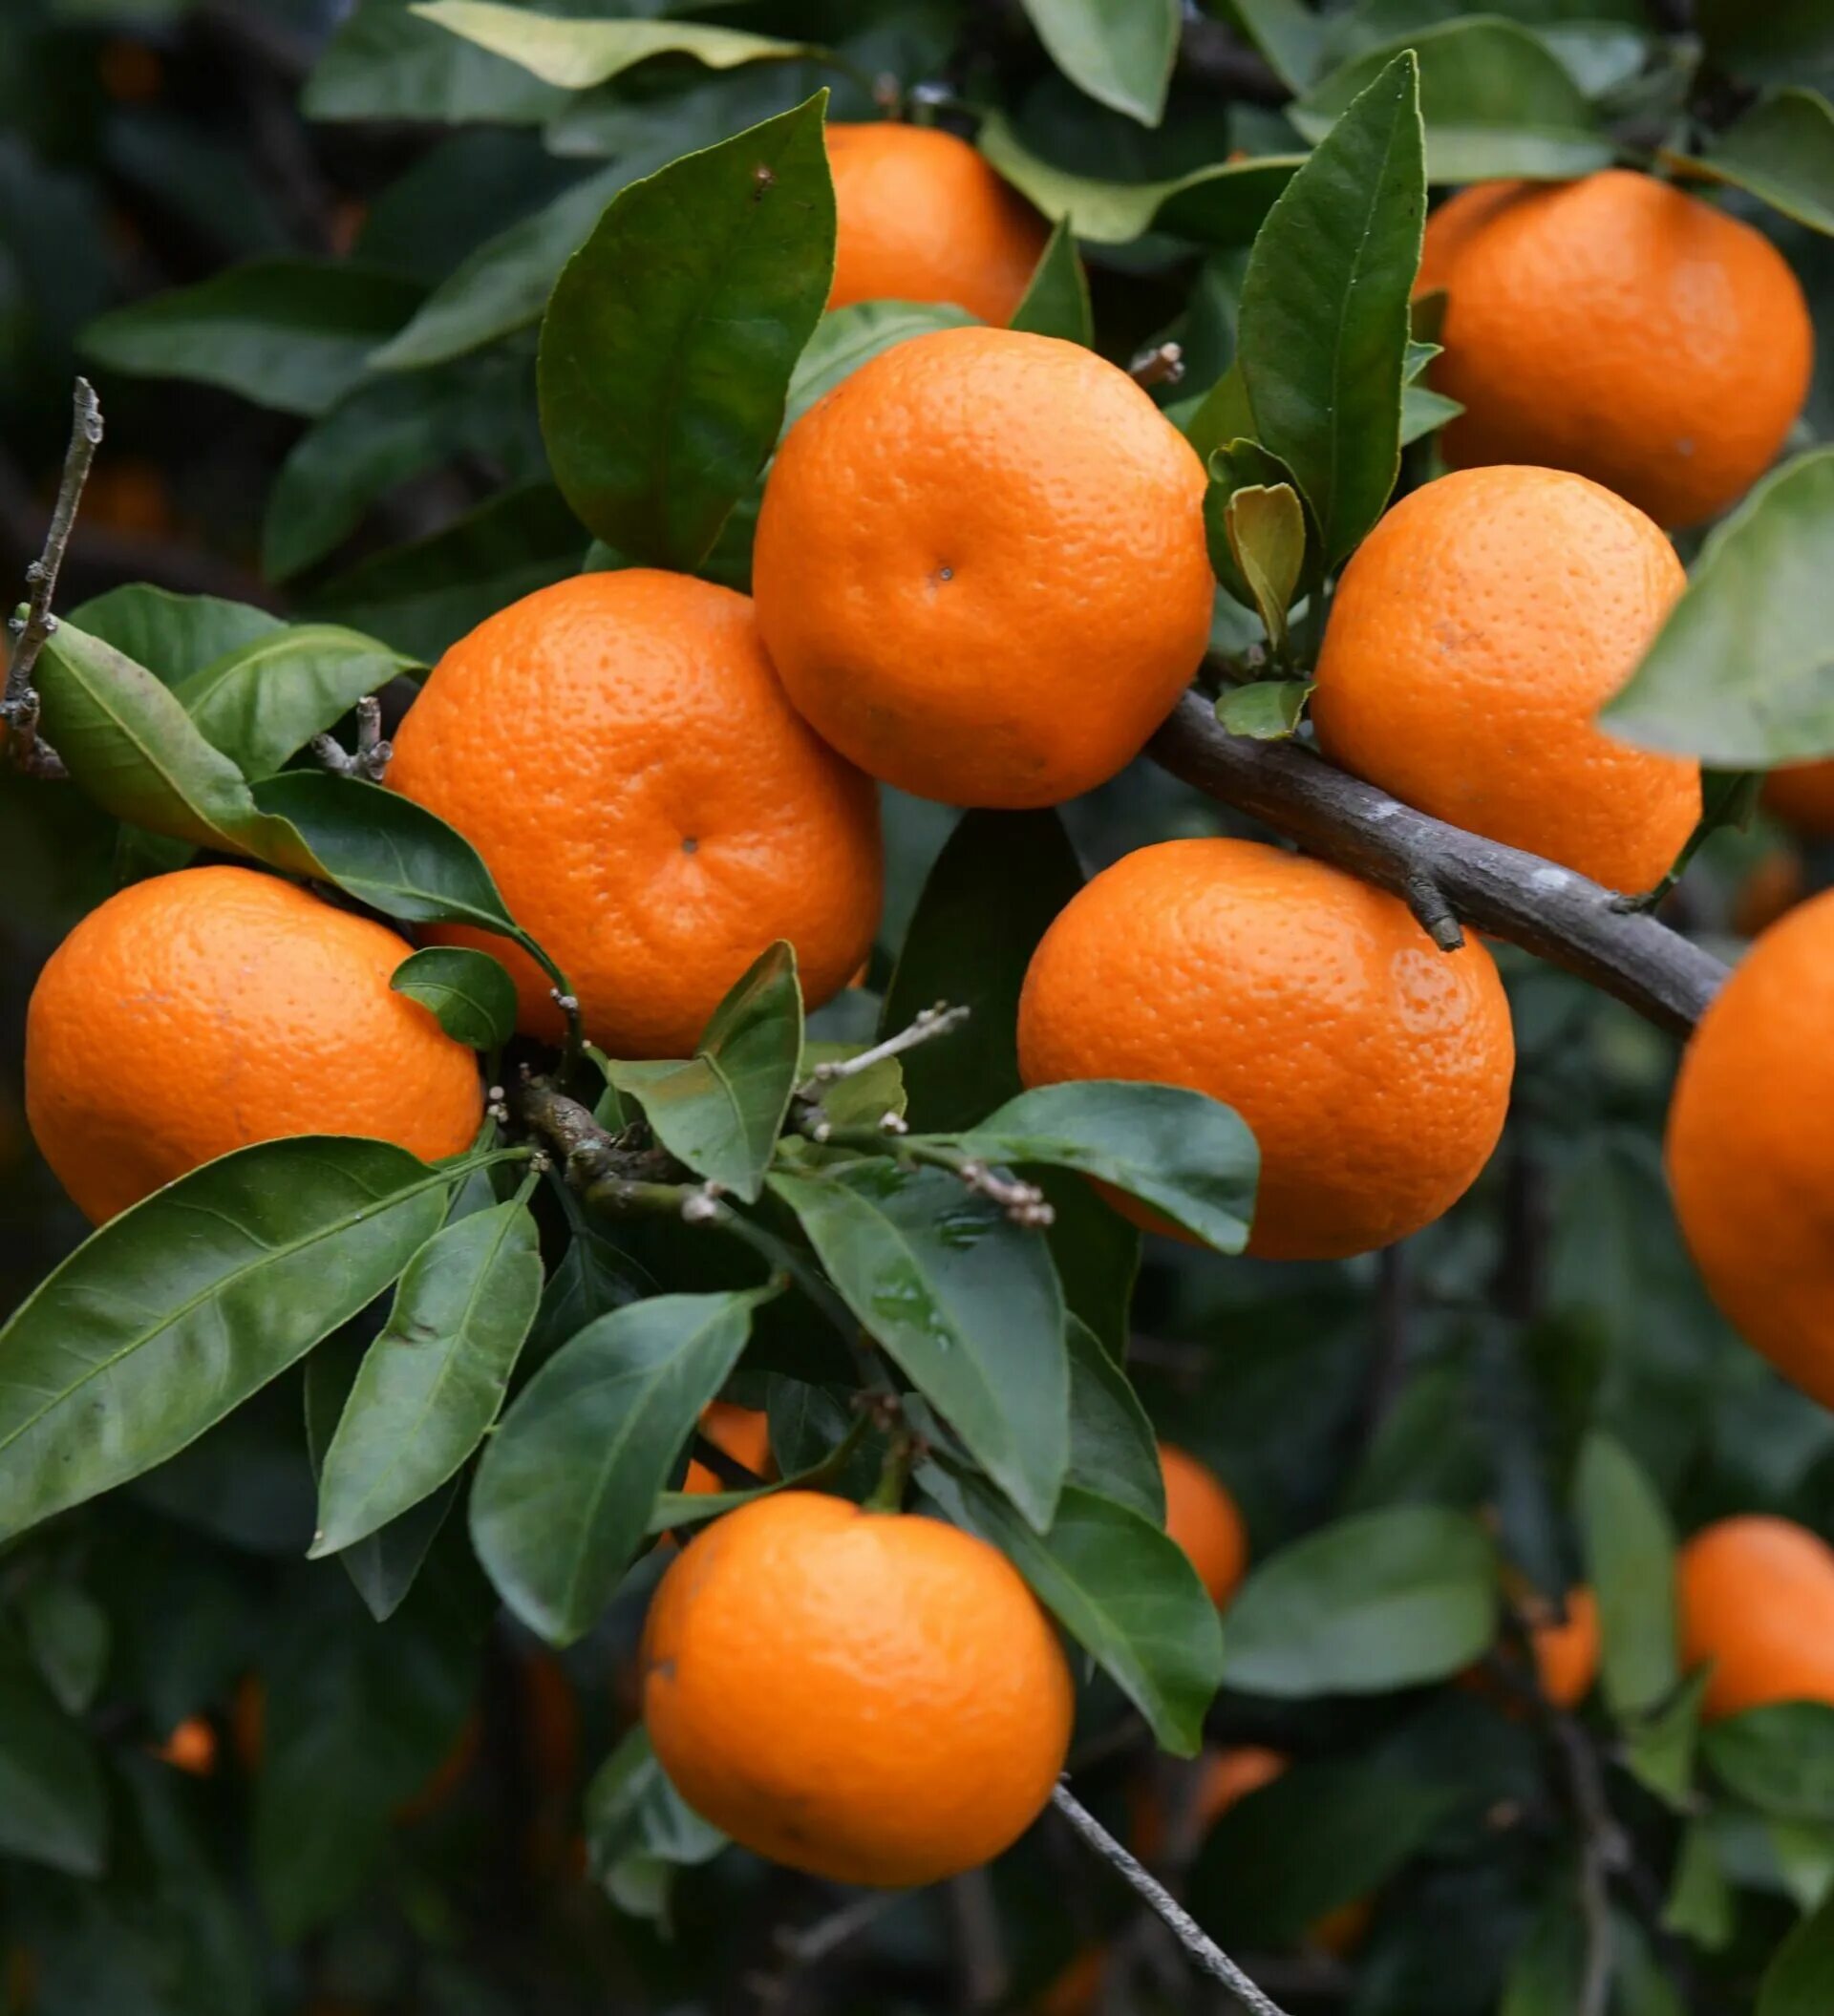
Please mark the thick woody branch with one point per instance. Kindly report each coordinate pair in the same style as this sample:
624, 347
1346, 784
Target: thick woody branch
1447, 877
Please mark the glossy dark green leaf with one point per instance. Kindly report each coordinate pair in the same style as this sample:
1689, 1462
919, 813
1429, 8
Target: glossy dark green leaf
1495, 98
1056, 299
1778, 1759
1741, 674
1547, 1971
289, 333
172, 635
639, 1829
1097, 1253
669, 342
1289, 34
66, 1632
1178, 1150
563, 1493
1000, 879
575, 55
722, 1111
1119, 51
590, 1280
1223, 418
236, 1270
965, 1303
470, 992
1800, 1980
1699, 1905
386, 63
1628, 1549
53, 1806
1659, 1748
1113, 1451
431, 1385
1265, 710
1380, 1601
1322, 339
1123, 1591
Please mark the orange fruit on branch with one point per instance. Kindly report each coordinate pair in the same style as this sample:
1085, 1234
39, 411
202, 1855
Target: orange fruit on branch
200, 1011
1565, 1649
1757, 1599
1620, 328
1202, 1517
619, 750
872, 1697
1476, 634
1801, 795
1372, 1068
980, 567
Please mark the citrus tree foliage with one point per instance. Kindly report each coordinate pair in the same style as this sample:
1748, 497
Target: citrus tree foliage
586, 291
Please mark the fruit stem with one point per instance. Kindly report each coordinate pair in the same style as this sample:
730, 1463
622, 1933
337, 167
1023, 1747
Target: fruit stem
888, 1494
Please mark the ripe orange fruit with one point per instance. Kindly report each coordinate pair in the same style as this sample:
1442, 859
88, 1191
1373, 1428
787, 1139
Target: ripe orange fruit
871, 1697
741, 1432
1801, 795
971, 596
1476, 634
1201, 1516
1372, 1068
921, 217
1566, 1649
190, 1748
203, 1010
621, 753
1757, 1600
1751, 1149
1622, 328
1771, 890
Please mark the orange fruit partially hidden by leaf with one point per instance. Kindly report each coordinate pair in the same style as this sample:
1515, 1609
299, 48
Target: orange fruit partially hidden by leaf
741, 1432
871, 1697
921, 215
201, 1011
1750, 1148
1202, 1517
1372, 1068
619, 750
1771, 890
980, 567
1622, 328
1757, 1600
1801, 795
1566, 1649
190, 1748
1476, 634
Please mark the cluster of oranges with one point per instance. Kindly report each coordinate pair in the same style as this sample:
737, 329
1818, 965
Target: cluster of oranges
981, 576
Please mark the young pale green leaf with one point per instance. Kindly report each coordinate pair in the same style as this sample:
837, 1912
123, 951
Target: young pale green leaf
289, 333
1628, 1549
564, 1492
639, 1829
386, 63
1119, 51
722, 1111
1265, 710
237, 1269
999, 881
67, 1634
264, 701
1742, 672
172, 635
1178, 1150
1056, 299
1265, 528
469, 992
1113, 1451
1220, 205
431, 1385
575, 55
1495, 98
1778, 1759
1322, 340
53, 1807
1123, 1590
1380, 1601
1800, 1980
670, 337
965, 1303
1244, 464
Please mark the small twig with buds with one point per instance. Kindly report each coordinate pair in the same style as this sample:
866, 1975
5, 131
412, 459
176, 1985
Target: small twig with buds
35, 623
930, 1022
370, 760
1023, 1202
1162, 365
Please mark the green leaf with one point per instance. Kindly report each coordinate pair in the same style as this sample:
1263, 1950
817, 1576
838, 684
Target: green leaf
1119, 51
1223, 419
385, 63
669, 342
1699, 1904
53, 1809
1380, 1601
1265, 710
1800, 1980
575, 55
1289, 34
469, 992
67, 1633
1265, 528
999, 881
1123, 1590
1783, 152
1547, 1976
1322, 341
964, 1303
236, 1270
563, 1493
1424, 412
1057, 298
1778, 42
639, 1828
289, 333
1778, 1759
592, 1278
1112, 1450
1219, 205
264, 701
1096, 1255
1179, 1151
1495, 99
847, 338
431, 1385
1629, 1550
722, 1111
172, 635
1659, 1748
1742, 672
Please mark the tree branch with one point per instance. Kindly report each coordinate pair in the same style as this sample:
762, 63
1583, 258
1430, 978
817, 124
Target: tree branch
1446, 875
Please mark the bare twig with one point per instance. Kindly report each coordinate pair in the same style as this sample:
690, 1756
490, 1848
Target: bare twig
373, 751
1190, 1935
982, 1953
1546, 909
1602, 1852
1164, 364
930, 1022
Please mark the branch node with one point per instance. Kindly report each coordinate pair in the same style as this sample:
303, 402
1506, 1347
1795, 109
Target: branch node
1433, 911
1162, 365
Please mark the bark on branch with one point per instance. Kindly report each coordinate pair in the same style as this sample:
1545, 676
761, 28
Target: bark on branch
1446, 875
